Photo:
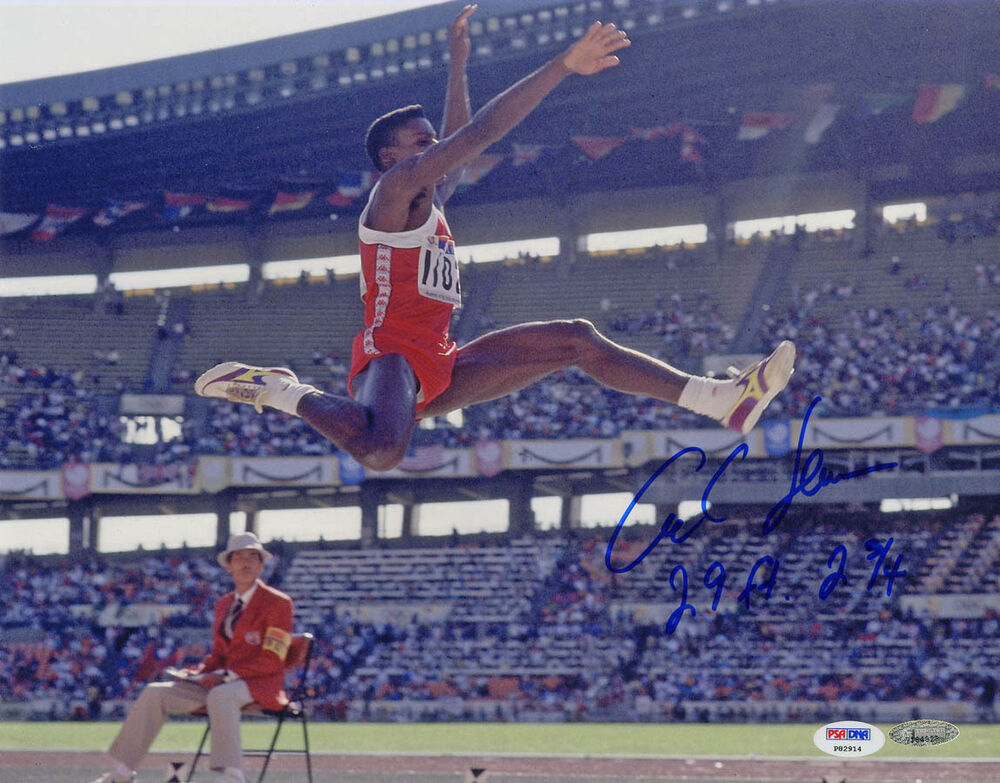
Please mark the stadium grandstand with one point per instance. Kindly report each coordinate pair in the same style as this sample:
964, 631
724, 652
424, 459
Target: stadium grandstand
824, 171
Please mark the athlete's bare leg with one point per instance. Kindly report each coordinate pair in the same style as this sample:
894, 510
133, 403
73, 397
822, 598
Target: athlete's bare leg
376, 426
504, 361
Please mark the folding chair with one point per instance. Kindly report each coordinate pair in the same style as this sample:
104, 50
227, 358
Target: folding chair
299, 655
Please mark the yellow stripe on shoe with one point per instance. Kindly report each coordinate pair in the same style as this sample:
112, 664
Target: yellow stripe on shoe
761, 383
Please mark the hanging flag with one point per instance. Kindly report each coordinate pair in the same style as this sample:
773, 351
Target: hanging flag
226, 204
115, 209
477, 168
488, 457
524, 154
423, 458
757, 124
57, 219
290, 202
352, 472
936, 100
874, 103
928, 434
352, 186
991, 81
177, 206
75, 479
777, 437
689, 138
12, 222
597, 147
821, 119
816, 111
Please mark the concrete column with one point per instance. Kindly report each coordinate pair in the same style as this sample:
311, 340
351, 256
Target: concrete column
570, 516
255, 258
715, 219
223, 510
79, 515
664, 510
522, 518
568, 227
92, 530
411, 521
864, 222
103, 264
369, 516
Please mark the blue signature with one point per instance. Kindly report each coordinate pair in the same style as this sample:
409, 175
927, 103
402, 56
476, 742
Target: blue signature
808, 478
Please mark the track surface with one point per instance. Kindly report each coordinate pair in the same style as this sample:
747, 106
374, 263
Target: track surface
75, 767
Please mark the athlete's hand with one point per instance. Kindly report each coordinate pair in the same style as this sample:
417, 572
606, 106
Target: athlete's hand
594, 51
459, 44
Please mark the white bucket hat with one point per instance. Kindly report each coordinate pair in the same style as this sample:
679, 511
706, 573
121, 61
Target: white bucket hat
243, 541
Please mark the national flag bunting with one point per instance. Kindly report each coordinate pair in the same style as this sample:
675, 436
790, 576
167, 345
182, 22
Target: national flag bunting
757, 124
689, 138
285, 201
12, 222
597, 147
226, 204
821, 119
177, 206
936, 100
352, 186
651, 134
57, 219
115, 209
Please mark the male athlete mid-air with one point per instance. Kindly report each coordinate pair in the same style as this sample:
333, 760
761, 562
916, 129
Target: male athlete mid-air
404, 364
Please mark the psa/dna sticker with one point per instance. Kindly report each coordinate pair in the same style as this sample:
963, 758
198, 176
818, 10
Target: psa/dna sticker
849, 738
923, 733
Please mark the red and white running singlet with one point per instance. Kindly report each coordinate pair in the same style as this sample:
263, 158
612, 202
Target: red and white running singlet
409, 286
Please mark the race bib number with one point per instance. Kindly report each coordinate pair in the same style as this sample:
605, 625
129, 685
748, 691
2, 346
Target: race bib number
437, 277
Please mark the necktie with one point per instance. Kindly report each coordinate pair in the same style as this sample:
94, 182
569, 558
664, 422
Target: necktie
234, 614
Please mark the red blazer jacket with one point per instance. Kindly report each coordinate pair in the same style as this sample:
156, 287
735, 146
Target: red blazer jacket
259, 645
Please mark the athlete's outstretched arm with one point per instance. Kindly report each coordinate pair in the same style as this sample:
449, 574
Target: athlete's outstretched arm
457, 106
593, 53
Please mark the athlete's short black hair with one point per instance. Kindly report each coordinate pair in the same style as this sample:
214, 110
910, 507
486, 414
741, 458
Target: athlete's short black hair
382, 132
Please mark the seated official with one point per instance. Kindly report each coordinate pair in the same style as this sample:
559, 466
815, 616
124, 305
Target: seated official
252, 631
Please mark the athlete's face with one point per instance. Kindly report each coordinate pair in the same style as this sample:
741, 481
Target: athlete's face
411, 138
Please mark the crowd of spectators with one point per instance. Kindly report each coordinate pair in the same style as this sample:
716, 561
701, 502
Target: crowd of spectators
684, 333
73, 639
580, 647
874, 361
891, 361
862, 360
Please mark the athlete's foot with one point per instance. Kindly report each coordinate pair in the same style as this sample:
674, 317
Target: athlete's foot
275, 387
757, 385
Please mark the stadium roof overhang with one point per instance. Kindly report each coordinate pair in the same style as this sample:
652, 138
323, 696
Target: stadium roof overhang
704, 64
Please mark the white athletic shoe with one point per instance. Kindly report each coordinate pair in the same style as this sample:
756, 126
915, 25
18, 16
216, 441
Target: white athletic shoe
276, 387
758, 385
